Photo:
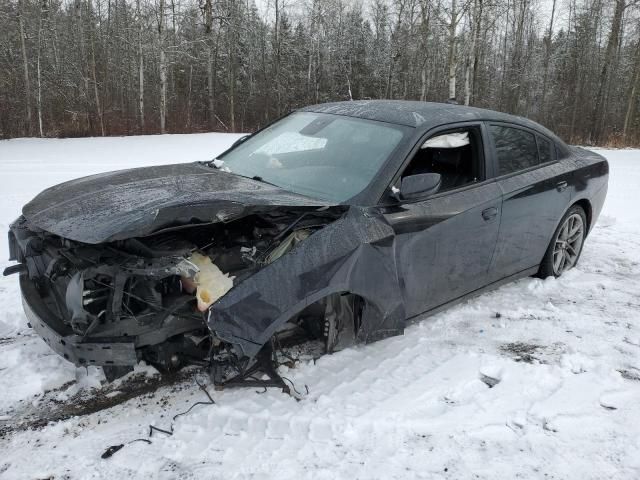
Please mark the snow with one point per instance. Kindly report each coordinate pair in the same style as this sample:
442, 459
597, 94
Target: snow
539, 379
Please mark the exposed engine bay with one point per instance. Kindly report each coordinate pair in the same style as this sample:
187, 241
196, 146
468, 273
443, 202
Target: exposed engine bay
149, 298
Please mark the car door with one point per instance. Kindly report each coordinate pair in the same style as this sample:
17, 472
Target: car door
534, 196
445, 242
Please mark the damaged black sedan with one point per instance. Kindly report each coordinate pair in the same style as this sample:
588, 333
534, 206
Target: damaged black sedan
337, 224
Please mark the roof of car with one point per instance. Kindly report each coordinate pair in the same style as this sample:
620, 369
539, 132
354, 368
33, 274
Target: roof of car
422, 115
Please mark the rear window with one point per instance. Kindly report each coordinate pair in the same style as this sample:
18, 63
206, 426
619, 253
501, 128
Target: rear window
546, 150
516, 149
562, 151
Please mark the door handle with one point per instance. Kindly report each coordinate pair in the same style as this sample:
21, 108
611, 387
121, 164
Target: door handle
489, 213
560, 186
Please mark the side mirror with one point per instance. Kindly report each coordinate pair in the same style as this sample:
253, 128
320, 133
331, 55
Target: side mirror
420, 185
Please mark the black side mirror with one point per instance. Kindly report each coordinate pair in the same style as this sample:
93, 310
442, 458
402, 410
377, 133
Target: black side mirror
420, 185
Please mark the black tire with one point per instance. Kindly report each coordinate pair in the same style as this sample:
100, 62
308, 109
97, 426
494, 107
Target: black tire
551, 264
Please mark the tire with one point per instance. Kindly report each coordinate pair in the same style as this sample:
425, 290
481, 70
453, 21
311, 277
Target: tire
566, 244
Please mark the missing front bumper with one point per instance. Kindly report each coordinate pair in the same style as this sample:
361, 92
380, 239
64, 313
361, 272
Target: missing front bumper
81, 351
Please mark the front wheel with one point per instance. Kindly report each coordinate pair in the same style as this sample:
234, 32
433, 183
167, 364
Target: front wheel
566, 244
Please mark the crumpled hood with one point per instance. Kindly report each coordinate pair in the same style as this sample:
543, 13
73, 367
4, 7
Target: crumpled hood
136, 202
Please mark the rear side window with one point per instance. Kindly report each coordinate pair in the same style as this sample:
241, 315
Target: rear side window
516, 149
546, 150
562, 151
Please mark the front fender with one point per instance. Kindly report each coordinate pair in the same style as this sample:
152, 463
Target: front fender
354, 254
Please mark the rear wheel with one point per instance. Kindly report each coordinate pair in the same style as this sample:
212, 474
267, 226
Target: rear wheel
566, 244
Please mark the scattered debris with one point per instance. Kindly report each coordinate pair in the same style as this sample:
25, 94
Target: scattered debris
630, 375
115, 448
152, 428
111, 450
521, 352
51, 409
489, 381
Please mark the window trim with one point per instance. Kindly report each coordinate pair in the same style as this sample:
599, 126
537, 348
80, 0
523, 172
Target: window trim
494, 152
486, 162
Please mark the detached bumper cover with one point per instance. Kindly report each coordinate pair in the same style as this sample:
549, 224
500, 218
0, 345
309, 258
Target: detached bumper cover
82, 351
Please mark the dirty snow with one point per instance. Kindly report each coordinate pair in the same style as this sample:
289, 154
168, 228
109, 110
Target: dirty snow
539, 379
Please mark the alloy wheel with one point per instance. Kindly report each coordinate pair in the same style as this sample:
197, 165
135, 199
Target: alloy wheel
568, 244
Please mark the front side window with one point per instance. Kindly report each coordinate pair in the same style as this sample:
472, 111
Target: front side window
456, 155
516, 149
324, 156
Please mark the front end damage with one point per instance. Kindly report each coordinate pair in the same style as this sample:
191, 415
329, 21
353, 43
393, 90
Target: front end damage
211, 294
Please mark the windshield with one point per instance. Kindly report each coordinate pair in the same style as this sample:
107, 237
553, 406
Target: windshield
324, 156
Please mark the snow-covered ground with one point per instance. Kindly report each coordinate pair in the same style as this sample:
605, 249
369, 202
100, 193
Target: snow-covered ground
565, 354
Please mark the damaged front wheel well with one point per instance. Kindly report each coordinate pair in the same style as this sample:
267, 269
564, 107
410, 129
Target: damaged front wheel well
335, 318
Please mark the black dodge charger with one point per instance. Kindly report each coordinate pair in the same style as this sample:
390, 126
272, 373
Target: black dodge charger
337, 224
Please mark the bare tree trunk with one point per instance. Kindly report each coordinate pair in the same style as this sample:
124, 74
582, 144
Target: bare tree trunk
171, 66
394, 53
25, 61
469, 75
547, 54
163, 68
311, 52
318, 75
189, 96
423, 81
39, 76
208, 29
84, 71
163, 91
231, 40
425, 24
140, 69
277, 50
210, 88
612, 44
52, 24
515, 76
93, 73
452, 57
503, 96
